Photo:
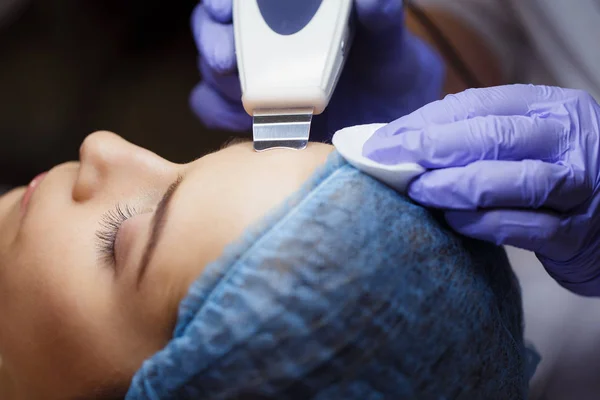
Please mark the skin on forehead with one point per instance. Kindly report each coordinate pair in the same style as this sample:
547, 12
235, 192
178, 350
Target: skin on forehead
70, 322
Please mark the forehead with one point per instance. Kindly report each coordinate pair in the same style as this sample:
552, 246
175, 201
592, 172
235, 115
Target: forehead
239, 160
239, 184
224, 193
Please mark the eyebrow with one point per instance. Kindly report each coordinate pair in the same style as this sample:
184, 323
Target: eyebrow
234, 141
157, 227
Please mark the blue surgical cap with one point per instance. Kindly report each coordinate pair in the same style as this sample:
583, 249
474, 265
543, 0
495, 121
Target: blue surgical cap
347, 291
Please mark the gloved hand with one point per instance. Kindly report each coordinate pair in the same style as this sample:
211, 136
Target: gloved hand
515, 165
389, 73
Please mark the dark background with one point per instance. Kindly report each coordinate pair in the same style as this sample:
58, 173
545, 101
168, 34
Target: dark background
71, 67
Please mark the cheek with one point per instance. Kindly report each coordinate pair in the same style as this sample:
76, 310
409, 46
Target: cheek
55, 307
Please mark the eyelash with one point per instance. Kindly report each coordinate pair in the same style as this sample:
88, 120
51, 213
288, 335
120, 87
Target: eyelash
110, 224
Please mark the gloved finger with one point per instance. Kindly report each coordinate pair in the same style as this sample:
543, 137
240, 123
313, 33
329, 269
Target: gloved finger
504, 100
528, 184
228, 85
465, 141
218, 113
528, 230
215, 41
220, 10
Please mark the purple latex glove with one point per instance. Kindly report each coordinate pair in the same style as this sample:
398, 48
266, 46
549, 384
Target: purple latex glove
389, 73
515, 165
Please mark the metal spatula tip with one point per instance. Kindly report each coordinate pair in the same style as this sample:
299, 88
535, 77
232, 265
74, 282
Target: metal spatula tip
282, 128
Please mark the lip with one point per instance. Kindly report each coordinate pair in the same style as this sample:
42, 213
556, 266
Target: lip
33, 185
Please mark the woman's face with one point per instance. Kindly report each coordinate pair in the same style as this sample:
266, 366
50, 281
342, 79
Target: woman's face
96, 256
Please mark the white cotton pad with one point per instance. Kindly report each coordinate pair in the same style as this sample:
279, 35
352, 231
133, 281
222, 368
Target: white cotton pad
349, 143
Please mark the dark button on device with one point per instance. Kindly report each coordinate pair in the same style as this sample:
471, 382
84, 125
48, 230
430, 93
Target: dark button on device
287, 17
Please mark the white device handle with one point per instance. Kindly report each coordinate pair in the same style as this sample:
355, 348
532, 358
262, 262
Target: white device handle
291, 52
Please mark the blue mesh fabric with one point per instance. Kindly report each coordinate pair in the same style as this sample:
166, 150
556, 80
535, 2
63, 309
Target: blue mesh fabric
348, 291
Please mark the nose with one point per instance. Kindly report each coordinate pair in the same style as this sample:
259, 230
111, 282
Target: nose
111, 165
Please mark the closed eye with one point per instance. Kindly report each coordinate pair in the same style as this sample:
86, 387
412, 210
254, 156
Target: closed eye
106, 235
